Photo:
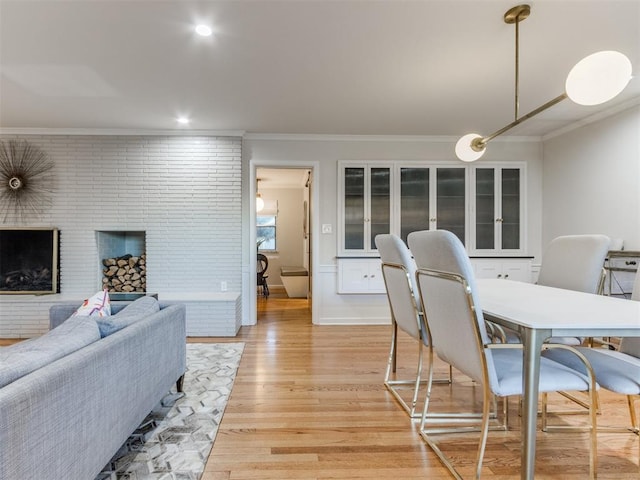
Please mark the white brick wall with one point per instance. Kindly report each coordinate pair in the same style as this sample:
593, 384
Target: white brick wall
184, 192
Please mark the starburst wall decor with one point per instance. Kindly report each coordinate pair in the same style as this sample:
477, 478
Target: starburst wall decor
26, 180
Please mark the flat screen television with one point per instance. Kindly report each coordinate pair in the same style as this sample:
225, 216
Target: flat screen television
29, 260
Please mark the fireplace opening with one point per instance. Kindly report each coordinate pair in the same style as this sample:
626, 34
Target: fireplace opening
29, 260
123, 261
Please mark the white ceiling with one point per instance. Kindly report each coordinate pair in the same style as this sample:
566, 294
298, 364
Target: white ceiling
353, 67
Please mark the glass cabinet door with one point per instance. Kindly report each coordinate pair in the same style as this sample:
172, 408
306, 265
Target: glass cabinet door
380, 203
485, 209
450, 200
414, 200
498, 210
354, 208
510, 217
367, 207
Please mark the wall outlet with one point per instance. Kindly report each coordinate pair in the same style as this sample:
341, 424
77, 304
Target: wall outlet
223, 286
326, 228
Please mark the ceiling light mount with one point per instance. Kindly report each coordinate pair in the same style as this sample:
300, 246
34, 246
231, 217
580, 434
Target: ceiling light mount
594, 80
517, 14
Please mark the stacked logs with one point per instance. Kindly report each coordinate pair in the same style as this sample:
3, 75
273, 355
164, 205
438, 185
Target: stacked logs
127, 273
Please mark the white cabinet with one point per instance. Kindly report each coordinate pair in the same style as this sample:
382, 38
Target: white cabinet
430, 198
517, 269
360, 275
365, 206
497, 213
398, 198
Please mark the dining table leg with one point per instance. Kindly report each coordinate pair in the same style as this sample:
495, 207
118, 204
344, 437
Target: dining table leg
532, 340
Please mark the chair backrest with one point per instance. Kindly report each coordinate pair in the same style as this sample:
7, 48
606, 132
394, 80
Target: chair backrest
398, 269
453, 314
262, 263
575, 262
631, 345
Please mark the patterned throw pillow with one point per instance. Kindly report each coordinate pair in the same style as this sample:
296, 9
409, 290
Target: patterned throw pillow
96, 306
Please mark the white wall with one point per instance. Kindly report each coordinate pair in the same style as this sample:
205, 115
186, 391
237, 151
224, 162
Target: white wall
329, 307
290, 233
591, 180
184, 192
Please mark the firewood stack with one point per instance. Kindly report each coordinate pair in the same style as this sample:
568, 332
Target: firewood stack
127, 273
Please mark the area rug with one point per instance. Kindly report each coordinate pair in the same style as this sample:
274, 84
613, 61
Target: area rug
175, 439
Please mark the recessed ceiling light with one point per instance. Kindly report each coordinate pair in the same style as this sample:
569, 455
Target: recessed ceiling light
183, 120
204, 30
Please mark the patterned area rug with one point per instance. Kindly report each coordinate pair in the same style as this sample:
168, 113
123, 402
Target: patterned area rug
175, 439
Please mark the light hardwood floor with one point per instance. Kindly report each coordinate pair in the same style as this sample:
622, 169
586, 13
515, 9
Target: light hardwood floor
309, 403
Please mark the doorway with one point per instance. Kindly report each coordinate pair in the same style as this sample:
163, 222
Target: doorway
283, 239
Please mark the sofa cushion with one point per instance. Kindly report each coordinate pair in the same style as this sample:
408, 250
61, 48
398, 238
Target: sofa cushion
137, 310
22, 358
95, 306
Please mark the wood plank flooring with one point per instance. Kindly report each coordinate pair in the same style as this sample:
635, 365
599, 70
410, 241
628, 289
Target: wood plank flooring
309, 403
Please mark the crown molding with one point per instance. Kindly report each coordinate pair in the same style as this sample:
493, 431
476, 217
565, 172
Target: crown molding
121, 132
295, 137
596, 117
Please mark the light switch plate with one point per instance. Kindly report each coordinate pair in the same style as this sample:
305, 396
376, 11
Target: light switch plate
326, 228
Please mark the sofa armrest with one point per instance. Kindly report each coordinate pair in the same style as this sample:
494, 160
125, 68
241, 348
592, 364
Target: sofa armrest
59, 313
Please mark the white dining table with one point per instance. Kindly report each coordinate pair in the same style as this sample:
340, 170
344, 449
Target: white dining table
539, 312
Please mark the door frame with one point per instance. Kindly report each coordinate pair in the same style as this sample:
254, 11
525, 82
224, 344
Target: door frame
313, 229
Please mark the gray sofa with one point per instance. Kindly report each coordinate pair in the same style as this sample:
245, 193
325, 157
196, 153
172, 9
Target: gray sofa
69, 416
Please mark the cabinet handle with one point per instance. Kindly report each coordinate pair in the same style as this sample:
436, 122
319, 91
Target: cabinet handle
499, 275
432, 219
366, 276
499, 220
373, 276
506, 276
630, 262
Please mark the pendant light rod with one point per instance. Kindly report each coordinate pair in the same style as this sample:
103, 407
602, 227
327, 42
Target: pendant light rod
481, 142
515, 15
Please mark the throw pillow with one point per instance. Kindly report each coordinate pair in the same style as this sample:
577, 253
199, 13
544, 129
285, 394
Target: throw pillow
96, 306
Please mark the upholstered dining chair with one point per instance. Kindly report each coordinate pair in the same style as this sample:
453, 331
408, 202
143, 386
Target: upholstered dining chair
458, 335
617, 371
398, 270
574, 262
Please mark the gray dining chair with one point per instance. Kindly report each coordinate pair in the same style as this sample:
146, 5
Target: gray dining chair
574, 262
459, 336
398, 270
615, 370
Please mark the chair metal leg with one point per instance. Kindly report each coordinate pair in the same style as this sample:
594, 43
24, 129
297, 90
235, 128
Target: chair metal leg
485, 418
395, 385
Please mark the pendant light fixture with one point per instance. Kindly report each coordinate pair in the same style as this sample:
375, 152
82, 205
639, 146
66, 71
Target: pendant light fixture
596, 79
259, 200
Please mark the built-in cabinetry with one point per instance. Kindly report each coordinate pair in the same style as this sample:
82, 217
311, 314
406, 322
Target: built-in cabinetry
484, 205
364, 275
497, 210
398, 198
366, 206
360, 275
518, 269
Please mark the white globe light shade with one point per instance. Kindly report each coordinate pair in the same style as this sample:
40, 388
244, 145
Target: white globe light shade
598, 78
464, 151
259, 203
